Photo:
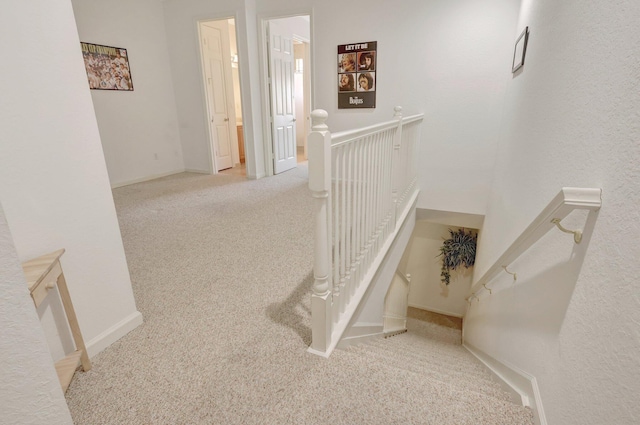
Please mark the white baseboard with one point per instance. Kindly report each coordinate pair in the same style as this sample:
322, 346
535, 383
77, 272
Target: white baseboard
147, 178
113, 334
193, 170
318, 353
360, 333
522, 386
435, 310
392, 332
353, 340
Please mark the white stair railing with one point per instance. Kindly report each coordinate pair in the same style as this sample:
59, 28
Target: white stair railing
364, 182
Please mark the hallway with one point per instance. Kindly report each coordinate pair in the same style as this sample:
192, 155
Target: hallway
221, 271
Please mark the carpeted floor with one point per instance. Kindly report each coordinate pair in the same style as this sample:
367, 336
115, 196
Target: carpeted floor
221, 270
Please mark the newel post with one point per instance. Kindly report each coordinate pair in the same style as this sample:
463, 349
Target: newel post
319, 153
396, 166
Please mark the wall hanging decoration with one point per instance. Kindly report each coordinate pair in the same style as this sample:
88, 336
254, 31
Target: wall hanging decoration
520, 50
457, 251
107, 67
357, 75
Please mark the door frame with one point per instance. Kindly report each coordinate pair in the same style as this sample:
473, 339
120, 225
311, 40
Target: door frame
306, 88
264, 81
213, 169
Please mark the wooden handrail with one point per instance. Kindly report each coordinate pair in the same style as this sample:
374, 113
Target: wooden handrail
567, 200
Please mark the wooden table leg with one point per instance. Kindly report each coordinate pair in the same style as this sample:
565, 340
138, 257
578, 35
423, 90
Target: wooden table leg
73, 322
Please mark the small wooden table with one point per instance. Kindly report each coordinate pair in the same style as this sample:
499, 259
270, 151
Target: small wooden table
43, 273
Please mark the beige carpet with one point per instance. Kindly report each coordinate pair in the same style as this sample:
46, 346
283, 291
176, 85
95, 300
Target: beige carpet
221, 270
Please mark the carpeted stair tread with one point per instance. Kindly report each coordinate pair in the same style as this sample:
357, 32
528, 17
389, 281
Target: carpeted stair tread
431, 356
432, 351
455, 360
459, 381
455, 357
421, 342
435, 332
430, 361
468, 407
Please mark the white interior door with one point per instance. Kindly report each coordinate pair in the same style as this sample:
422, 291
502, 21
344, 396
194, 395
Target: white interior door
213, 39
283, 126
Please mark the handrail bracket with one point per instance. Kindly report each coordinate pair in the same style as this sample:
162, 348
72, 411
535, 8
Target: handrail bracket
577, 234
566, 201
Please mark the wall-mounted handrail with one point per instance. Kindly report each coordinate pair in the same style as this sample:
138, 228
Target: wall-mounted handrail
567, 200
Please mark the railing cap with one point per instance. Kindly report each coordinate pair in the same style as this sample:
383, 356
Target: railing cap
318, 120
398, 111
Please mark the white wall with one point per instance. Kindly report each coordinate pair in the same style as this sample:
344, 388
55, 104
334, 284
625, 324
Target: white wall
570, 119
139, 128
30, 390
299, 25
53, 180
447, 60
427, 291
180, 20
181, 23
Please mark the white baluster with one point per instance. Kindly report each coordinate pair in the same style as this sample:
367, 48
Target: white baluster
389, 187
397, 162
381, 195
375, 166
366, 207
319, 144
373, 191
335, 214
357, 217
361, 213
349, 228
344, 243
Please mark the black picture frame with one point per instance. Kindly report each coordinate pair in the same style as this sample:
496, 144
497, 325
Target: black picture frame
520, 50
357, 75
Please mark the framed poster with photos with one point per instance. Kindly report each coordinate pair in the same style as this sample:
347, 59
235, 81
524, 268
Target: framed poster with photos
107, 67
357, 75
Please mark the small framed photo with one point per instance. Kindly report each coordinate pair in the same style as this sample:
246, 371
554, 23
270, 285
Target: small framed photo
520, 50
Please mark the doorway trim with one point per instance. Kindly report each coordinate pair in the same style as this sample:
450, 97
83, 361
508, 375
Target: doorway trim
306, 88
205, 103
264, 81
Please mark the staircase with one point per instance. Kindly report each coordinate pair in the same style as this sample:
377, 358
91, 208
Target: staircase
443, 382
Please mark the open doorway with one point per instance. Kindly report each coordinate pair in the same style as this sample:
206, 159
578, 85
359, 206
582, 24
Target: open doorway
221, 83
287, 86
